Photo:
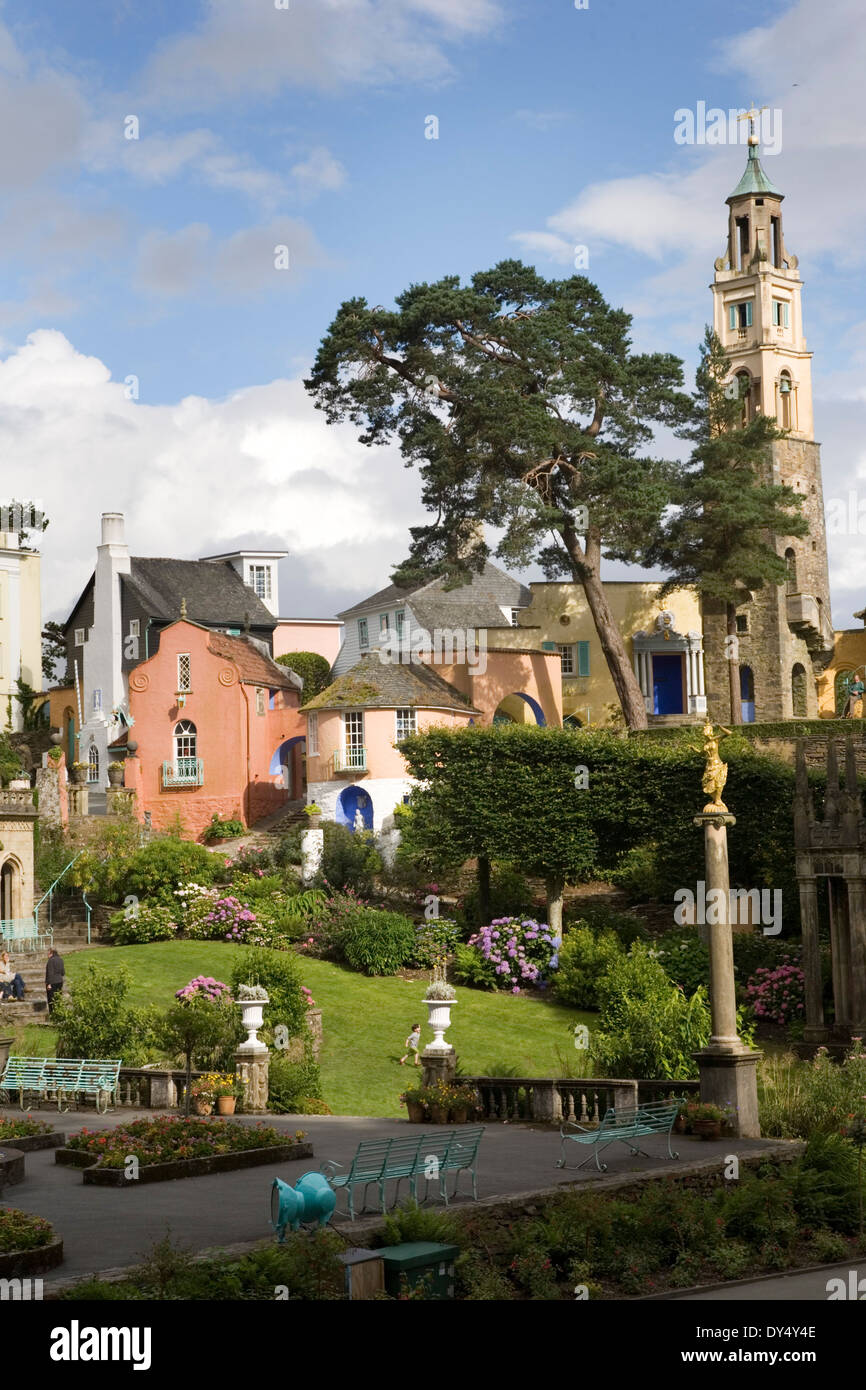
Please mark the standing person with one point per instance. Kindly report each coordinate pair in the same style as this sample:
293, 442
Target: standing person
412, 1044
54, 973
11, 982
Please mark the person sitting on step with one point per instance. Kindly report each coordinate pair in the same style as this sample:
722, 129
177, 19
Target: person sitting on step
11, 983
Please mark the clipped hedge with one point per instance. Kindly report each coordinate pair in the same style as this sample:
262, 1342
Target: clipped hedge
377, 942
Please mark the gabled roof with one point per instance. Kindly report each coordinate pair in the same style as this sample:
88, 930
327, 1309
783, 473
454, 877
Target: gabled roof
491, 585
374, 684
214, 591
254, 666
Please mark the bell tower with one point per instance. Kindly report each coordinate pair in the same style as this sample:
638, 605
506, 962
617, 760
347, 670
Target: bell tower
785, 634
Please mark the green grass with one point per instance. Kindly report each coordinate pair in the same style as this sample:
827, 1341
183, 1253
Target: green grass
365, 1021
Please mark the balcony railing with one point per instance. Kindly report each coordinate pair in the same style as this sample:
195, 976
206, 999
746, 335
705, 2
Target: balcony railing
183, 772
351, 760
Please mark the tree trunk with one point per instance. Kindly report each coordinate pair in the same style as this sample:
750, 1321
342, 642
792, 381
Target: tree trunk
484, 889
734, 666
187, 1098
555, 887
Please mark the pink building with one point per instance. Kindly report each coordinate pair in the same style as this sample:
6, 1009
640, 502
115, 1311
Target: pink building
322, 635
217, 729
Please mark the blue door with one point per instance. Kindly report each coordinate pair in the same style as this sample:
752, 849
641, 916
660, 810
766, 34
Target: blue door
667, 683
747, 695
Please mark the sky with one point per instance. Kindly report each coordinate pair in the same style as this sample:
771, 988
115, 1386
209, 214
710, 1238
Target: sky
152, 353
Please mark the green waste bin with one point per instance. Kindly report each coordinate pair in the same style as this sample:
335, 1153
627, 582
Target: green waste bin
420, 1262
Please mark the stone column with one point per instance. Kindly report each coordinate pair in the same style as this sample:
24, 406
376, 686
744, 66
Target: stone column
815, 1029
438, 1066
857, 944
312, 849
48, 786
79, 800
728, 1069
251, 1068
840, 953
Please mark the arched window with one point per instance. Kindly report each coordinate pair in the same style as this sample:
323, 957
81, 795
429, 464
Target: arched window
791, 571
798, 690
93, 763
747, 695
185, 741
744, 386
785, 398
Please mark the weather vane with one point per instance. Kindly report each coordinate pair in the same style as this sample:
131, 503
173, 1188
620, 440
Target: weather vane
751, 116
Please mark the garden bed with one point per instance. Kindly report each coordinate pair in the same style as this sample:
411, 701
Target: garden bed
39, 1248
11, 1166
177, 1148
33, 1135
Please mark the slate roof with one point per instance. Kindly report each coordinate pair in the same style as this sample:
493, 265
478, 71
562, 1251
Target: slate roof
492, 586
254, 666
373, 684
214, 592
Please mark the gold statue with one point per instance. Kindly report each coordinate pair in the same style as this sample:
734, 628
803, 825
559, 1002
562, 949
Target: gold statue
715, 771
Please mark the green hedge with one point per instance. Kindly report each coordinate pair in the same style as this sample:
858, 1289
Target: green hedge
782, 728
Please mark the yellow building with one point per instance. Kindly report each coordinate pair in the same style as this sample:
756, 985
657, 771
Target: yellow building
847, 663
662, 637
20, 626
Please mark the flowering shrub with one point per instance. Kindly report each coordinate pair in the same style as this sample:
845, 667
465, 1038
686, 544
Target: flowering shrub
203, 987
224, 917
11, 1129
435, 940
309, 1001
778, 994
514, 953
167, 1139
19, 1230
250, 859
798, 1098
143, 922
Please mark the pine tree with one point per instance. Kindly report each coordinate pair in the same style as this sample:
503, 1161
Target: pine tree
524, 408
721, 537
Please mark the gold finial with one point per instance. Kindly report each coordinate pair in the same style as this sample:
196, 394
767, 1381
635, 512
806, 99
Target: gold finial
183, 608
715, 771
751, 116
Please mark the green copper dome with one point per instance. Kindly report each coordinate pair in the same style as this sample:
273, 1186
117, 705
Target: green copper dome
754, 179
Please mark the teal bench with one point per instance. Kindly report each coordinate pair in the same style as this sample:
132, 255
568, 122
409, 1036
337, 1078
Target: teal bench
62, 1079
621, 1126
428, 1156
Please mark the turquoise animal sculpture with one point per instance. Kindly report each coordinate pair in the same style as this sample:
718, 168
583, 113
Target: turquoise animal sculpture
319, 1197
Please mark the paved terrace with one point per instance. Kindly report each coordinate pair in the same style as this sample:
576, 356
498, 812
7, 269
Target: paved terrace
104, 1228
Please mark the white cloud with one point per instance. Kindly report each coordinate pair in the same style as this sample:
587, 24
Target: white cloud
69, 435
247, 47
320, 172
273, 255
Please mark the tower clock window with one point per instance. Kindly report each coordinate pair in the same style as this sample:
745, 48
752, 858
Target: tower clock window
785, 399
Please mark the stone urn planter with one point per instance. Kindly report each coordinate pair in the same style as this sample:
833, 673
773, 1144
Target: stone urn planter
707, 1129
115, 775
252, 1011
439, 1019
78, 774
202, 1106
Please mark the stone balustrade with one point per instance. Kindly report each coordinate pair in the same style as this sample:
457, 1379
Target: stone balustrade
554, 1099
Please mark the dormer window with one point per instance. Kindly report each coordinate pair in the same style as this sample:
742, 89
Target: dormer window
260, 580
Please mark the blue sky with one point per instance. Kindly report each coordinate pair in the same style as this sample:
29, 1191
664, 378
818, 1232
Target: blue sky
152, 257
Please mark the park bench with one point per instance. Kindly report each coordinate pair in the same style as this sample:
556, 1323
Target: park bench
61, 1079
622, 1125
427, 1156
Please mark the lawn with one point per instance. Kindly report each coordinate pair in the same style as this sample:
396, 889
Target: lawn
365, 1021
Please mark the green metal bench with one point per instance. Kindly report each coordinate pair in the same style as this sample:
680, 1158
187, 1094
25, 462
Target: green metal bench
622, 1126
62, 1079
427, 1156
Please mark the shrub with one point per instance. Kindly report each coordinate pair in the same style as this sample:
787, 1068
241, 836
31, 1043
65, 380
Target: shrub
599, 917
21, 1230
328, 921
221, 919
168, 1138
377, 942
279, 974
472, 968
510, 895
638, 873
647, 1026
409, 1223
685, 958
222, 829
158, 868
435, 940
94, 1021
250, 859
349, 858
202, 1026
143, 922
797, 1098
584, 957
288, 848
292, 1086
102, 866
521, 953
312, 668
778, 995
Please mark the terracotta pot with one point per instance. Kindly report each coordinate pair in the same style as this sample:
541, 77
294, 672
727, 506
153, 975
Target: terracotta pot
203, 1107
459, 1115
439, 1114
680, 1124
226, 1105
707, 1129
415, 1111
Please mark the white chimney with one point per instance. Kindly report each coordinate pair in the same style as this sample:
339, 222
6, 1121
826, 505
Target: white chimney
103, 653
112, 528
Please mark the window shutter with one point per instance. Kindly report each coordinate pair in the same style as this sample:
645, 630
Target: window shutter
583, 658
732, 316
749, 314
785, 315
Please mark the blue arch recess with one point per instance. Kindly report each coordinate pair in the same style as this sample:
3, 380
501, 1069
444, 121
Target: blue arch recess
351, 800
278, 762
534, 706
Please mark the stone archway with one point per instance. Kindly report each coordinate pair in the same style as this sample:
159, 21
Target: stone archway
10, 890
510, 710
284, 770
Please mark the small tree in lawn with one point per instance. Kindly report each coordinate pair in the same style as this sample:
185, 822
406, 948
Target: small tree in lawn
514, 793
721, 537
524, 407
196, 1026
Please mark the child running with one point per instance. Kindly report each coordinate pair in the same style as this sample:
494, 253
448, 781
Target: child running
412, 1044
